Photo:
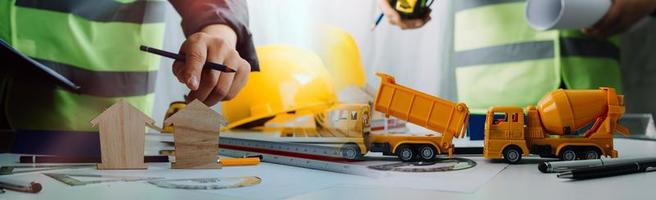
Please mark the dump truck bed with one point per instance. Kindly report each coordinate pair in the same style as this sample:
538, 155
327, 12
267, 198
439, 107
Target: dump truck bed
434, 113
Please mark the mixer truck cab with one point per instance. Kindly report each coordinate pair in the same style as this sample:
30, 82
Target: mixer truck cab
566, 124
505, 136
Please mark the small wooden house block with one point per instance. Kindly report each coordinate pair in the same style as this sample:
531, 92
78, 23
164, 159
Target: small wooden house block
196, 136
122, 136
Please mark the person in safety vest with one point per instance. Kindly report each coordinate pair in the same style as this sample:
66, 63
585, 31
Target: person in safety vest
500, 60
95, 44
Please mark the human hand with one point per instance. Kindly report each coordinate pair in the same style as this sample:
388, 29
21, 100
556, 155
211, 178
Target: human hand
215, 43
621, 15
395, 19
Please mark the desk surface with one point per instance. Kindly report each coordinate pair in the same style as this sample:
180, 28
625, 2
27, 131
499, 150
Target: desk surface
521, 181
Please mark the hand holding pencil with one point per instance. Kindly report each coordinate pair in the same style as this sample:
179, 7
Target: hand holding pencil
209, 64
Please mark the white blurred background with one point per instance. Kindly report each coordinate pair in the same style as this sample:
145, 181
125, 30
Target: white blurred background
418, 58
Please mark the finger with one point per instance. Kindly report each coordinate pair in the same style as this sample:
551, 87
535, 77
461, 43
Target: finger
418, 23
177, 68
591, 32
413, 24
222, 88
403, 26
586, 31
224, 84
394, 20
240, 80
216, 52
195, 53
208, 80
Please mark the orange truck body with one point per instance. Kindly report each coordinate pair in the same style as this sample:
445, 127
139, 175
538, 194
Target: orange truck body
446, 118
568, 124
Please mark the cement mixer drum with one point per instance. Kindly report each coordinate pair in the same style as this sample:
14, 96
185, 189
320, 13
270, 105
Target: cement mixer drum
559, 116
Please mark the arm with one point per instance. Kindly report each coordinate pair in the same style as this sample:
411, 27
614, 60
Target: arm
621, 16
216, 31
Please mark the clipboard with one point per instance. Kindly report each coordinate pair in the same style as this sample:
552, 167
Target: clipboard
15, 57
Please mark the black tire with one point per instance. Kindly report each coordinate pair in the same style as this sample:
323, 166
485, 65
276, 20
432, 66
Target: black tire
567, 154
406, 153
590, 153
351, 151
512, 154
427, 152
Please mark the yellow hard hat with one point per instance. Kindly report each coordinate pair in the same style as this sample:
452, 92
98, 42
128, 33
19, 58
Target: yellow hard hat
341, 56
290, 79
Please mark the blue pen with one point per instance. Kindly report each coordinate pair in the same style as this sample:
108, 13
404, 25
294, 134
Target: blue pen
380, 18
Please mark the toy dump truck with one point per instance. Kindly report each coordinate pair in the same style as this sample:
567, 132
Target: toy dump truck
566, 124
446, 118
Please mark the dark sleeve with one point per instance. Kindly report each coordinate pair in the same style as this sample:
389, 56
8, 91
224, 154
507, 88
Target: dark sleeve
196, 14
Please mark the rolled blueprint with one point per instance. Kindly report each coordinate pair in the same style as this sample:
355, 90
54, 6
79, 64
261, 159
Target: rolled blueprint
565, 14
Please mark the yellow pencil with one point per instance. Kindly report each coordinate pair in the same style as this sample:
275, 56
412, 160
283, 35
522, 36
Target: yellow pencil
239, 161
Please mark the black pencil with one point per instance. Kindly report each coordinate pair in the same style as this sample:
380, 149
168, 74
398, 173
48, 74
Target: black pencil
179, 57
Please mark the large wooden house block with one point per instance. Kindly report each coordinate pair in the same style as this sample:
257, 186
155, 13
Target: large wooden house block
196, 136
122, 136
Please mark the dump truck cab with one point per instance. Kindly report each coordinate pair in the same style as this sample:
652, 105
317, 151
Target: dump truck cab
504, 133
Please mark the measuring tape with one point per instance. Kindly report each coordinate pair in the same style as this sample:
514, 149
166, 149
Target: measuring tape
318, 151
321, 156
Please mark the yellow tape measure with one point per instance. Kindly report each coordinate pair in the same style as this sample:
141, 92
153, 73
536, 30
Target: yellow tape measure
412, 9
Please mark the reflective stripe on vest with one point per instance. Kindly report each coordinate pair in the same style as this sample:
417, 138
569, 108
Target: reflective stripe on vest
94, 44
500, 60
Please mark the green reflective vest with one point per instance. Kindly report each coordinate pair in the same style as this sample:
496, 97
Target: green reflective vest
500, 60
95, 43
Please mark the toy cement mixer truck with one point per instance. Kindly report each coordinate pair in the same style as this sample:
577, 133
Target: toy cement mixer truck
566, 124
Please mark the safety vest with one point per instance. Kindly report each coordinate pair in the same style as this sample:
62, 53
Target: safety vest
500, 60
94, 43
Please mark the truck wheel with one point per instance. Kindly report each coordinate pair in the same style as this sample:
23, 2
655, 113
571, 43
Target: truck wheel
512, 154
427, 152
405, 153
351, 151
568, 154
590, 153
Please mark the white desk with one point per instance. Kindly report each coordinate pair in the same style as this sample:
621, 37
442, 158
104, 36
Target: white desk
522, 181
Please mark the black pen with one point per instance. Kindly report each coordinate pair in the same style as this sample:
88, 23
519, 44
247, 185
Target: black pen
609, 170
564, 166
179, 57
